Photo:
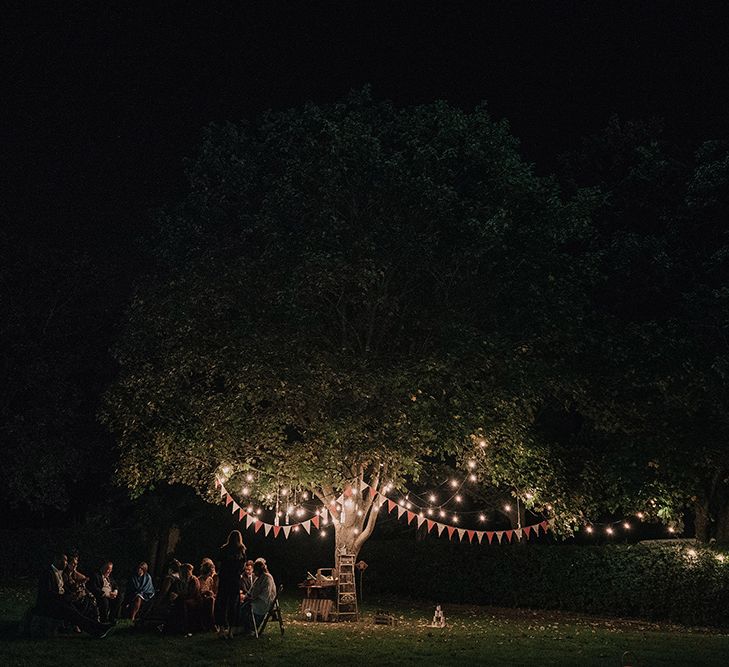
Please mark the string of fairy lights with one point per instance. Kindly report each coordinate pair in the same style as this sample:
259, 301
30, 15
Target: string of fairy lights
291, 502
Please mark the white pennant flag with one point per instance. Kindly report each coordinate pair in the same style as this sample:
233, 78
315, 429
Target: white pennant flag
400, 511
479, 535
461, 533
499, 534
441, 528
306, 525
222, 491
235, 508
518, 532
286, 531
267, 528
250, 520
421, 520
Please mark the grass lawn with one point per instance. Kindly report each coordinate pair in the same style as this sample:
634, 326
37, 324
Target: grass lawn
473, 636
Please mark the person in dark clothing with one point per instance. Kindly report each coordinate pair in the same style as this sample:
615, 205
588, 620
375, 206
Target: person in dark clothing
108, 597
232, 561
185, 600
54, 602
74, 583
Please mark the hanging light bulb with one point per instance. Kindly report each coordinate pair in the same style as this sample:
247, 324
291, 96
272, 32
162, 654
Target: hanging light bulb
409, 505
305, 495
359, 512
626, 525
455, 518
588, 529
549, 507
507, 507
249, 477
640, 515
471, 464
323, 533
441, 513
284, 492
432, 498
246, 490
249, 509
429, 511
458, 498
481, 518
454, 483
482, 443
609, 530
258, 511
472, 477
226, 470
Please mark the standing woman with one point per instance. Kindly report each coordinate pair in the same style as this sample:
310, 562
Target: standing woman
232, 560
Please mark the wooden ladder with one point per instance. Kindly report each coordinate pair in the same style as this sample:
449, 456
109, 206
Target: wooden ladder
346, 589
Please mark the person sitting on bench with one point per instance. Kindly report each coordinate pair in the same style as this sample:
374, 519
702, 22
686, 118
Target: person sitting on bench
53, 600
104, 589
140, 590
260, 597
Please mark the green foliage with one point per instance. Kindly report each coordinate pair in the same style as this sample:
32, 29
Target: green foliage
345, 290
659, 582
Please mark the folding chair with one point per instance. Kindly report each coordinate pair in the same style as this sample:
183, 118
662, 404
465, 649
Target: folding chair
274, 613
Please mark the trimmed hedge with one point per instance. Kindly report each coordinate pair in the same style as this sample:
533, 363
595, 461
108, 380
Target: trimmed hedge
657, 582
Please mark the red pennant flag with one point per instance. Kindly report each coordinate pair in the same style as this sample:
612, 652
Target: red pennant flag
535, 528
430, 524
411, 516
509, 535
241, 514
470, 534
490, 535
276, 530
373, 493
390, 506
527, 530
217, 483
451, 530
257, 526
544, 525
315, 521
228, 499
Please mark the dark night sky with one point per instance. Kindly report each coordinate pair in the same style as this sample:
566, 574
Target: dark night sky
105, 99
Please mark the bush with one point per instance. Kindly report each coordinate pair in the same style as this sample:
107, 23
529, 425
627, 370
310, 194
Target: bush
673, 582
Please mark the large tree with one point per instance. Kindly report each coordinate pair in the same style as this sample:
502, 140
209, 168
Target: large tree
345, 293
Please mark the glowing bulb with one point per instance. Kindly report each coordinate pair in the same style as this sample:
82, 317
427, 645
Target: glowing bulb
471, 464
226, 470
296, 529
482, 443
249, 477
671, 529
290, 509
249, 509
481, 517
640, 515
441, 513
420, 515
549, 507
472, 477
588, 529
278, 513
356, 531
691, 553
454, 483
323, 533
507, 508
305, 495
609, 530
720, 557
455, 519
529, 496
284, 492
458, 498
258, 511
246, 490
300, 511
626, 525
432, 498
409, 505
429, 511
359, 512
401, 502
354, 492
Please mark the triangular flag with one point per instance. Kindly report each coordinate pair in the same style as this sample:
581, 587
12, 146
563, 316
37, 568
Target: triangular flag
276, 531
250, 520
267, 528
258, 526
518, 533
222, 490
499, 534
217, 483
411, 516
430, 524
235, 508
490, 535
509, 535
527, 530
228, 499
400, 511
441, 527
315, 521
241, 513
479, 535
373, 492
306, 525
421, 520
470, 534
461, 533
286, 531
544, 525
390, 506
451, 530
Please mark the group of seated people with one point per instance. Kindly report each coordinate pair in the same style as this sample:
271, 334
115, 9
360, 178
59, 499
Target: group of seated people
238, 593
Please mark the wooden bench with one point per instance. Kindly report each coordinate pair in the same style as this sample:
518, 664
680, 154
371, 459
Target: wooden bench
318, 608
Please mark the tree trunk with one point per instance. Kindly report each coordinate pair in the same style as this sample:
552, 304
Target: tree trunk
712, 512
